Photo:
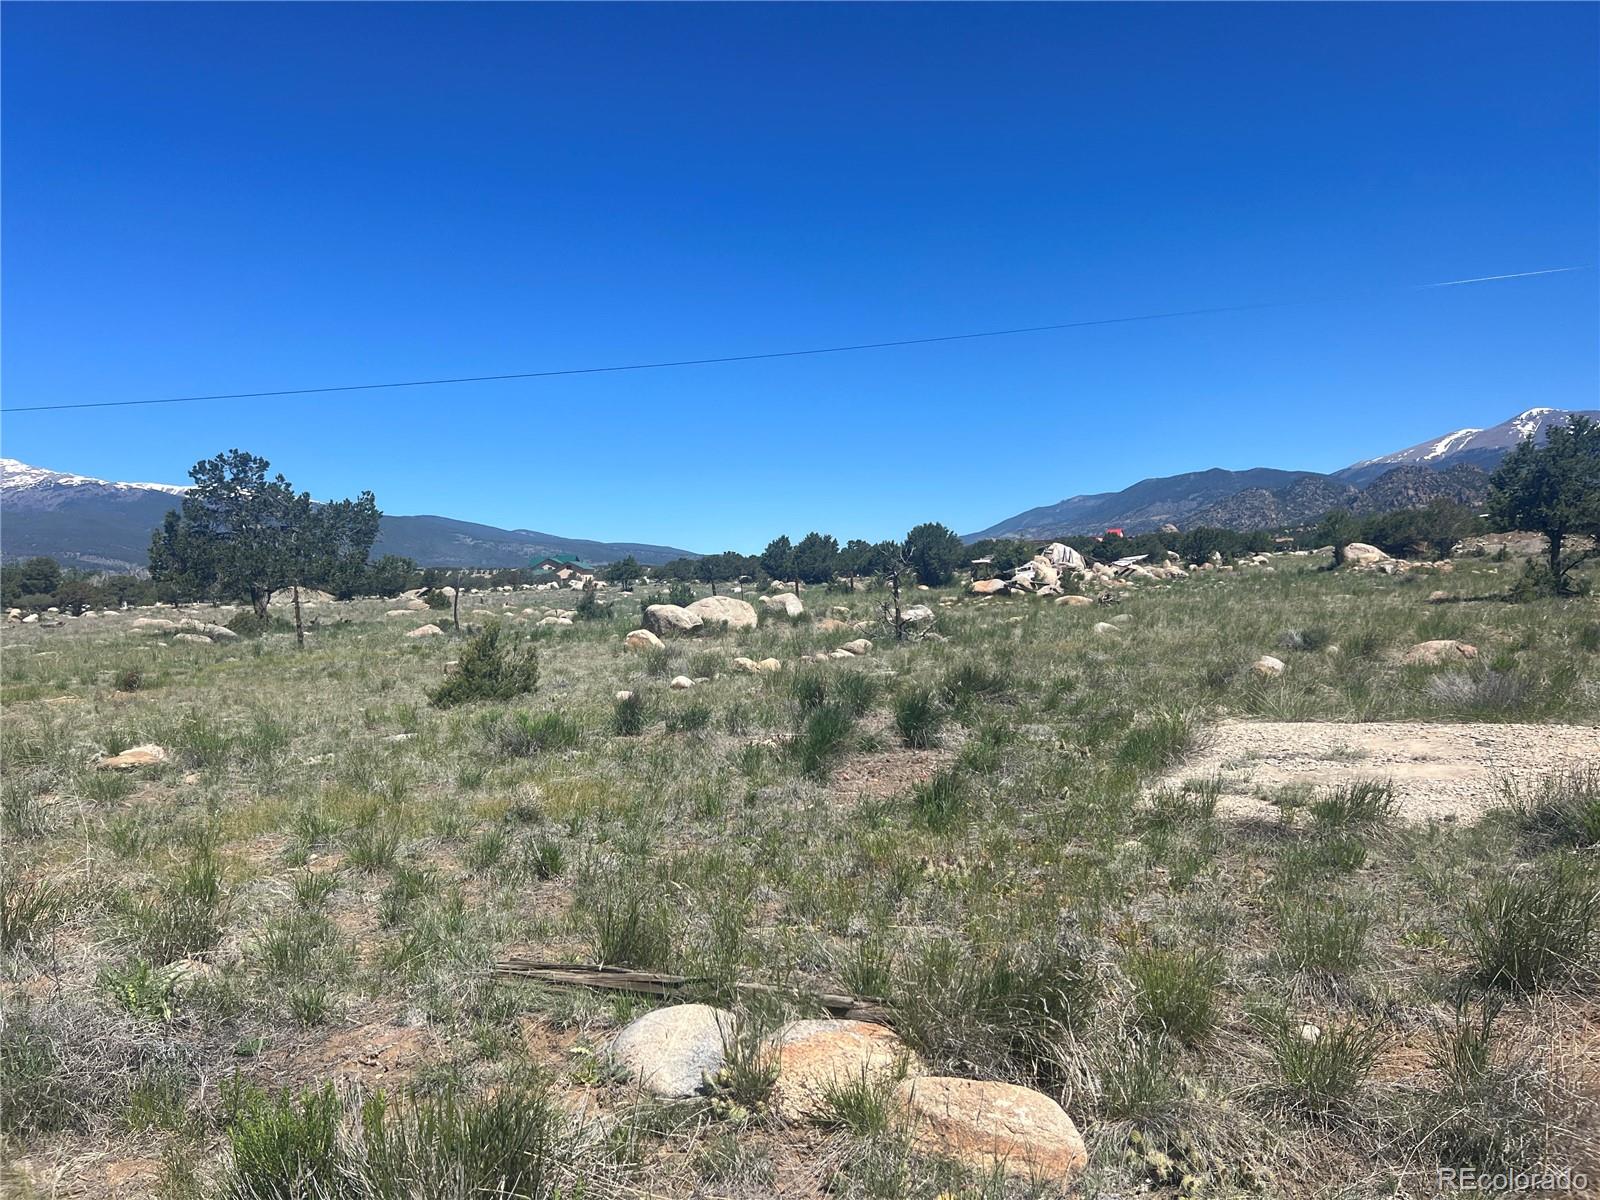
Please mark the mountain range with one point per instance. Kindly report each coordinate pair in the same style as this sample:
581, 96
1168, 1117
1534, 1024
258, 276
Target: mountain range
1454, 466
98, 525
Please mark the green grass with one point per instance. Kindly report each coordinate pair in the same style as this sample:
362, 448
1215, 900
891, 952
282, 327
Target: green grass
1541, 923
1175, 992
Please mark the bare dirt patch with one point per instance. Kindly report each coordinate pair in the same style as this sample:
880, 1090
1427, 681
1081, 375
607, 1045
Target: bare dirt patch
885, 773
373, 1054
1439, 772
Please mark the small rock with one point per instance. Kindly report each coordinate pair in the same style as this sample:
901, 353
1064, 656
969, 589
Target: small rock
1266, 666
1074, 601
624, 695
681, 683
148, 755
199, 639
769, 665
747, 665
1105, 628
672, 1051
217, 633
1310, 1033
1437, 652
642, 639
858, 647
425, 631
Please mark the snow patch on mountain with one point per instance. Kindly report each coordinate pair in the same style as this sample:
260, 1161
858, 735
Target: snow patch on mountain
1528, 423
1449, 442
18, 476
1424, 452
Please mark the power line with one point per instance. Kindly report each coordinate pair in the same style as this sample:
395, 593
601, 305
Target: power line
736, 358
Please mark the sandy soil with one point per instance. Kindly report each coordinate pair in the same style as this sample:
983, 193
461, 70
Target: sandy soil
1439, 772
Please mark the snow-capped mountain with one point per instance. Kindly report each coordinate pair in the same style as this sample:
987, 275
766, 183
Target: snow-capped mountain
39, 489
1476, 447
97, 524
1268, 496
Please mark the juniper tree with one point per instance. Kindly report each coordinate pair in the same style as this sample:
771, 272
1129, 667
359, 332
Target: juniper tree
240, 534
1553, 489
934, 552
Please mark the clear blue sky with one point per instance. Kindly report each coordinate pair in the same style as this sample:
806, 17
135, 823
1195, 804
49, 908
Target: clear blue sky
228, 198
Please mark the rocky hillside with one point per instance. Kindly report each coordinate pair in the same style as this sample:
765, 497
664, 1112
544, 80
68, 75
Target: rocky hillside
1416, 486
1307, 499
1146, 505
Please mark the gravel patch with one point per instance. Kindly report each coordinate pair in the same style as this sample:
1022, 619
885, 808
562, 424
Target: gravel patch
1439, 772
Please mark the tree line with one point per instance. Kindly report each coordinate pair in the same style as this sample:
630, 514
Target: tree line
933, 551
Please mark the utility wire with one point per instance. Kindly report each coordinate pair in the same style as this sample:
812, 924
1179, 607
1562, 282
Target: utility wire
734, 358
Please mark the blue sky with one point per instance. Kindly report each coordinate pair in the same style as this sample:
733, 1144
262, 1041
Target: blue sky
233, 198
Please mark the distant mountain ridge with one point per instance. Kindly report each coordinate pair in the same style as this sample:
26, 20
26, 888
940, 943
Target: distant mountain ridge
98, 524
1455, 466
1483, 448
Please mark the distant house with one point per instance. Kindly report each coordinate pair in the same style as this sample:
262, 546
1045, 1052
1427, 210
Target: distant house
555, 564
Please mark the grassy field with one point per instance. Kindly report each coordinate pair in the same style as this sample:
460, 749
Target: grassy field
966, 826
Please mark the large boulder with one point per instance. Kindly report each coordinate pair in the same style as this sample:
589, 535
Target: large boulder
992, 1126
1044, 574
725, 611
1438, 653
1074, 601
673, 1051
642, 639
1359, 554
786, 603
425, 631
986, 587
858, 646
669, 620
153, 625
814, 1058
199, 639
917, 614
1063, 557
